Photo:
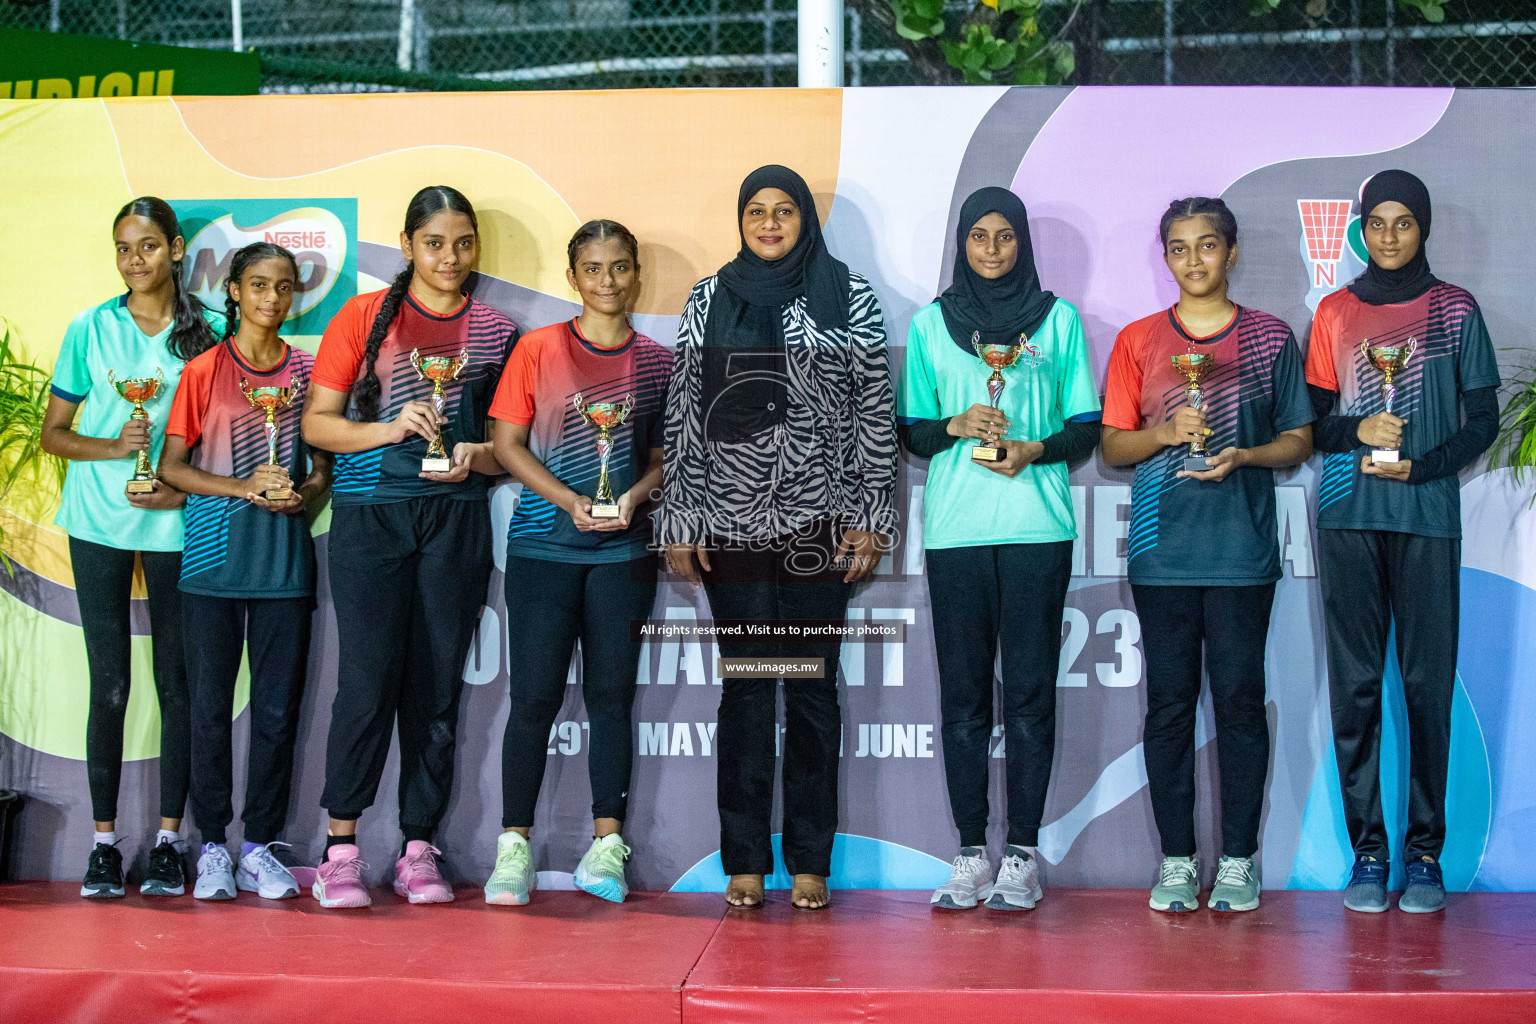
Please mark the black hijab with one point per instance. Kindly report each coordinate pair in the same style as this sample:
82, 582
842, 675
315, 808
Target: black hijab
1004, 308
1379, 286
744, 333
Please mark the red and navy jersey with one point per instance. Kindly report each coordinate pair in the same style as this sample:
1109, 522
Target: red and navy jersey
391, 472
1452, 354
1197, 533
548, 369
234, 548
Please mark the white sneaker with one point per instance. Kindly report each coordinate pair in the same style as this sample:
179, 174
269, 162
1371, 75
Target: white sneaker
1018, 884
970, 882
601, 871
215, 874
260, 872
513, 879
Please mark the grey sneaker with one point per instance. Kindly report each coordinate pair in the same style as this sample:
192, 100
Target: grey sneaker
1178, 885
1017, 886
1237, 885
1367, 889
1425, 891
970, 882
260, 872
215, 874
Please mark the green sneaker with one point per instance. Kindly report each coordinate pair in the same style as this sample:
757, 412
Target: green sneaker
601, 871
1237, 885
513, 879
1178, 885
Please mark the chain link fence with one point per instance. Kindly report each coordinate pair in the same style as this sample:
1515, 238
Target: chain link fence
350, 45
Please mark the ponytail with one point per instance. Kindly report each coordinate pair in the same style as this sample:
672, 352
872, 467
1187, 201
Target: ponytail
190, 333
433, 199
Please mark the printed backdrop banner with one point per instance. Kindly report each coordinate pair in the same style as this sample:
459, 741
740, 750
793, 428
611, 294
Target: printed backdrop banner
331, 175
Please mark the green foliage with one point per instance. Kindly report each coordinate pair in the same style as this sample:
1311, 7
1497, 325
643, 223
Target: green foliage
1515, 445
23, 400
1432, 10
999, 42
918, 20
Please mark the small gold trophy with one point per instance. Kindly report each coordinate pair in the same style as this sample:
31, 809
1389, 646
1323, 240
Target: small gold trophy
439, 370
998, 358
271, 401
138, 391
1195, 365
1390, 360
604, 417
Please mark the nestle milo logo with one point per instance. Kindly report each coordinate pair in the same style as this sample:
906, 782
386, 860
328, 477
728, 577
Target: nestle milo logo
321, 234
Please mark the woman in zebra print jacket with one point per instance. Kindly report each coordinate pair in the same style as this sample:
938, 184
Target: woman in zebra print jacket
779, 476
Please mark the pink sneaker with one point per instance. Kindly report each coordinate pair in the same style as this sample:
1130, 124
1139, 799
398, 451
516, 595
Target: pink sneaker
417, 877
339, 880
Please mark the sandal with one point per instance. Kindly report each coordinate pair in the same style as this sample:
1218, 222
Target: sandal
811, 888
744, 892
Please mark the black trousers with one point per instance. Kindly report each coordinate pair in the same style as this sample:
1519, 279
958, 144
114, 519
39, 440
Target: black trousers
408, 580
1013, 595
1231, 624
1371, 579
550, 605
218, 631
790, 577
103, 584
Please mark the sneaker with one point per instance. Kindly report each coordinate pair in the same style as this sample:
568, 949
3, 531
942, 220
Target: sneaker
1367, 889
1018, 884
103, 873
215, 874
1237, 885
261, 873
601, 871
1425, 891
167, 874
513, 879
339, 879
970, 882
417, 876
1178, 885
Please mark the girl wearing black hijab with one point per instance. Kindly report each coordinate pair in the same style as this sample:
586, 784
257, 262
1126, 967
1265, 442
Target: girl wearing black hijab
998, 534
1389, 532
780, 467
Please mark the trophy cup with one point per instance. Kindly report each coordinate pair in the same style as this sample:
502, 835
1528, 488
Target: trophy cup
1390, 360
439, 370
271, 401
604, 417
138, 391
999, 358
1195, 365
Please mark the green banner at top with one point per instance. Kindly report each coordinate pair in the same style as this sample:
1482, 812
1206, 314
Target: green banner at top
55, 65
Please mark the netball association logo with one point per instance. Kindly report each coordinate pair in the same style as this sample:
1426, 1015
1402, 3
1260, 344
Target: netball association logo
319, 232
1331, 246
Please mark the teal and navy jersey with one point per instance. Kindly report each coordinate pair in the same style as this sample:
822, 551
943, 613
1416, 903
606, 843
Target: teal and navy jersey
392, 472
1195, 533
235, 548
548, 369
1452, 354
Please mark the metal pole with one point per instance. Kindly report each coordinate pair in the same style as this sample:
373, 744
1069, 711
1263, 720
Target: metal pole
407, 48
856, 55
767, 42
53, 15
237, 23
821, 44
1167, 42
122, 19
1354, 44
1391, 44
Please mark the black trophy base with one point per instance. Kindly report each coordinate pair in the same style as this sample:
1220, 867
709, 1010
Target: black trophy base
1383, 455
442, 465
989, 453
277, 493
1197, 463
137, 486
604, 511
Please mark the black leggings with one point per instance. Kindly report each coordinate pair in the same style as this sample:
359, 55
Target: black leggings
103, 584
549, 606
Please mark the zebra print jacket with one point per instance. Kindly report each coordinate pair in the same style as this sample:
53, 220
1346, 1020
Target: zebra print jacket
834, 454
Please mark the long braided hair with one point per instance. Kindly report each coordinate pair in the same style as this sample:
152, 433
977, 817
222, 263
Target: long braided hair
190, 333
239, 263
431, 200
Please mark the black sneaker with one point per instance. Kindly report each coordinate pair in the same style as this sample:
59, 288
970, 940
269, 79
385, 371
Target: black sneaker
167, 874
103, 873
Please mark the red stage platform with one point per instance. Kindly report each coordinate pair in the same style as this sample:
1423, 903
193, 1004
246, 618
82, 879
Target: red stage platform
876, 956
